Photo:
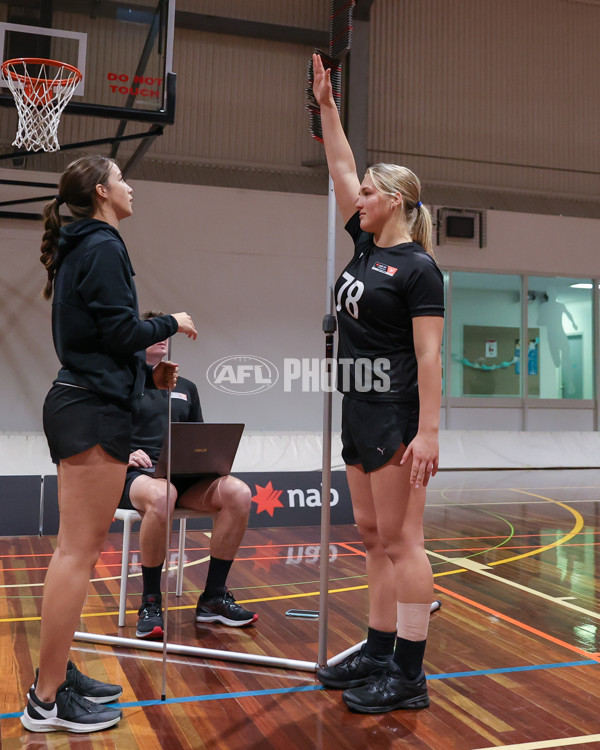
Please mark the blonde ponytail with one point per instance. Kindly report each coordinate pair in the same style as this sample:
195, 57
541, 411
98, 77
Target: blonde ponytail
422, 228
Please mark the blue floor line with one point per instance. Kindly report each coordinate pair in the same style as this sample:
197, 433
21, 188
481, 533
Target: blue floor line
309, 688
219, 696
508, 670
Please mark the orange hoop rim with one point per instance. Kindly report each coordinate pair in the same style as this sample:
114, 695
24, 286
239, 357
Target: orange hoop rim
40, 61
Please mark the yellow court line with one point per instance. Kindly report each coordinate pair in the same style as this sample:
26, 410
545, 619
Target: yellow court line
542, 744
193, 606
574, 531
579, 524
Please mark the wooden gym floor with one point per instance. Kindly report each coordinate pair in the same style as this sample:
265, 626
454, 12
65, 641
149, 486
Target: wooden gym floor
512, 659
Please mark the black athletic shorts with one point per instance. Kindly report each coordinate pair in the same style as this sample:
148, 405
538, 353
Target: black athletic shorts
372, 431
181, 484
76, 419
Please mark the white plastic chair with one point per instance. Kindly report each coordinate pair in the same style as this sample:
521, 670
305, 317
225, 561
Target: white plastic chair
129, 517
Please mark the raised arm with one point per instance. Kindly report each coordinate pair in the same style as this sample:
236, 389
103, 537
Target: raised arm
340, 159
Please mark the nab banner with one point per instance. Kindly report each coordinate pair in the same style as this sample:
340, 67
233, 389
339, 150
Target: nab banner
290, 499
278, 499
294, 498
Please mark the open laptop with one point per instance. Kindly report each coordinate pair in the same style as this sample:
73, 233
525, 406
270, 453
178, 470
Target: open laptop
200, 448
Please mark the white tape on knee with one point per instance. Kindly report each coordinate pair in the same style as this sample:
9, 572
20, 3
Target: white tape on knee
413, 621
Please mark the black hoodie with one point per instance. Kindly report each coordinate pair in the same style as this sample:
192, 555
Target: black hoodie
95, 320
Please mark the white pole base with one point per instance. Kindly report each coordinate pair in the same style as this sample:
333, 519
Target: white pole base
207, 653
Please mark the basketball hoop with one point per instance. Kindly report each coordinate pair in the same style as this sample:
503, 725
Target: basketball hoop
41, 92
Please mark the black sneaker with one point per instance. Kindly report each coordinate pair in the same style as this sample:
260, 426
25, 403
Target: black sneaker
94, 690
224, 608
150, 623
389, 692
356, 669
70, 712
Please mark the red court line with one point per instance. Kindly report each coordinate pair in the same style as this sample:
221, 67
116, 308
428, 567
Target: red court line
347, 546
351, 551
117, 551
518, 623
118, 564
20, 556
344, 545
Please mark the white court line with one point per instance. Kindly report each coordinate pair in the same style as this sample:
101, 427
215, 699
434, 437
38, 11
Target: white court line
476, 567
111, 578
499, 489
108, 578
564, 742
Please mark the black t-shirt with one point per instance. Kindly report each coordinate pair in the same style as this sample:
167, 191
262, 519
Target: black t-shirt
150, 415
378, 294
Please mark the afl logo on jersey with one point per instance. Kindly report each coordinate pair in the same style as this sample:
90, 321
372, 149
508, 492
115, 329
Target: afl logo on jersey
242, 375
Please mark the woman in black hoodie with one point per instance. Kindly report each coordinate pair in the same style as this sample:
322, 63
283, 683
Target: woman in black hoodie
100, 342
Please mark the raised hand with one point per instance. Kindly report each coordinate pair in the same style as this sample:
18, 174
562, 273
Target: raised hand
321, 82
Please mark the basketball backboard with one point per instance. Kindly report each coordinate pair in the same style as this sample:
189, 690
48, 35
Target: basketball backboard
124, 51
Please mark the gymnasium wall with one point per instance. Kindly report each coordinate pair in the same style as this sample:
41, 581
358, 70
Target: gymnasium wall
486, 93
250, 267
476, 94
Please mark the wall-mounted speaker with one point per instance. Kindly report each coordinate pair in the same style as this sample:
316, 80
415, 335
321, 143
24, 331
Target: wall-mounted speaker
460, 226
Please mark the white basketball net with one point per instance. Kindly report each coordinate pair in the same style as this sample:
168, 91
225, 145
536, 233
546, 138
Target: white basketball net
40, 101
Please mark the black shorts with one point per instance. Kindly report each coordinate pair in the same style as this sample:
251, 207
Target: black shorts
372, 431
181, 484
76, 419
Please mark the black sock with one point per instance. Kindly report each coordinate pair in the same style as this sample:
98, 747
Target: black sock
151, 579
379, 643
408, 655
218, 570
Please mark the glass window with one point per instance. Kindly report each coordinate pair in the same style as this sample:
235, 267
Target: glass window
486, 333
560, 310
446, 276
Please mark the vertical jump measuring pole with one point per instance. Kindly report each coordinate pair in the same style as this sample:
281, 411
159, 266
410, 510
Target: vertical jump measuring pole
329, 327
340, 36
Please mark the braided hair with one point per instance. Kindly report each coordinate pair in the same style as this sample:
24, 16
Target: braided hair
76, 188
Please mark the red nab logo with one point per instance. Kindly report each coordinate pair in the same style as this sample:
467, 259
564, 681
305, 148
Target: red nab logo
384, 268
267, 499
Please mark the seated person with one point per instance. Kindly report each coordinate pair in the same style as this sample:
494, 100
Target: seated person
226, 499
